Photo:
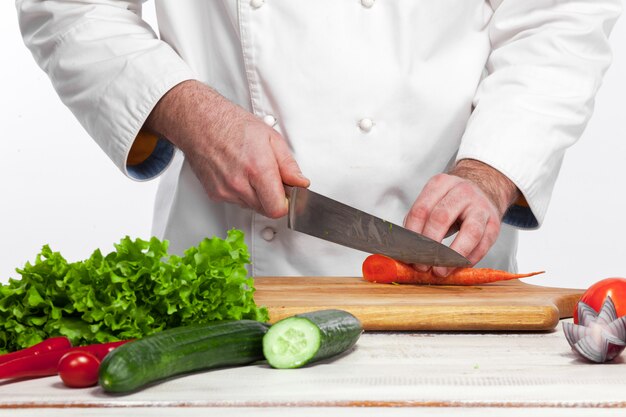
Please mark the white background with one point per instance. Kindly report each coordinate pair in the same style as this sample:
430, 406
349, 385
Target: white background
58, 187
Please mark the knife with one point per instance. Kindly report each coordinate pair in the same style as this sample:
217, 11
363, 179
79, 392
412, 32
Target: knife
328, 219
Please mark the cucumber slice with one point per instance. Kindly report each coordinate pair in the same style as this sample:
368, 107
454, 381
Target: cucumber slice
310, 337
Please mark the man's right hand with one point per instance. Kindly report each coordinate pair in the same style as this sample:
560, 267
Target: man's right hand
237, 158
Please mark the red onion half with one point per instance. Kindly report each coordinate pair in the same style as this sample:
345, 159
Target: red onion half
599, 337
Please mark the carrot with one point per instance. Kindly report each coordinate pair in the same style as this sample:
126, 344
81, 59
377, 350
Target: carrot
380, 268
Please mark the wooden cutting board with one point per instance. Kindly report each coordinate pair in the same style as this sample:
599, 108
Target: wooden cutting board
505, 306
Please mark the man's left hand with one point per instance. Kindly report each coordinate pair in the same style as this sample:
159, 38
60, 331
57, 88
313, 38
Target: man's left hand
472, 197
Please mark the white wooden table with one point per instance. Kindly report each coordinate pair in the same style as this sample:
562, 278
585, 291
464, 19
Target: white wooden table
469, 374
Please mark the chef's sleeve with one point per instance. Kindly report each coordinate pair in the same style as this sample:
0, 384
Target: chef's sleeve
110, 69
547, 63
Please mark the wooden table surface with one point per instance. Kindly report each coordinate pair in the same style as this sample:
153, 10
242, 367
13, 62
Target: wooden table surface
467, 374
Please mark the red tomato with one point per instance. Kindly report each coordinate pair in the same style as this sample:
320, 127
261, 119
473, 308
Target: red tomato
79, 369
595, 295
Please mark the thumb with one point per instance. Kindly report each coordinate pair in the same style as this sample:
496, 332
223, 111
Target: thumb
288, 168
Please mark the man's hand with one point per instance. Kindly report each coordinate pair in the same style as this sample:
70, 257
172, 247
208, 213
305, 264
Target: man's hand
237, 158
472, 197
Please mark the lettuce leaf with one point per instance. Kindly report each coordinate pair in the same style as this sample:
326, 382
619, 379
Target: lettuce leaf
134, 291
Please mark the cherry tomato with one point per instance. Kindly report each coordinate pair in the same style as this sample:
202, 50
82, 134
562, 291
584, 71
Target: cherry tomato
79, 369
595, 295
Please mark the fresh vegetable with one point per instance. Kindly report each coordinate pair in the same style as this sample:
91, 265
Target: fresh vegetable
134, 291
53, 343
380, 268
600, 337
79, 369
595, 295
45, 363
310, 337
181, 350
100, 350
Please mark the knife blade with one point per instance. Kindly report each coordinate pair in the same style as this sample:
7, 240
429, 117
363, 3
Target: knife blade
331, 220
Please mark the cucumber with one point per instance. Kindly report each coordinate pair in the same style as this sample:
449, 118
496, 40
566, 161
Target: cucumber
310, 337
181, 350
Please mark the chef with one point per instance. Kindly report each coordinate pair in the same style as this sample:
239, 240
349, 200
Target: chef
433, 114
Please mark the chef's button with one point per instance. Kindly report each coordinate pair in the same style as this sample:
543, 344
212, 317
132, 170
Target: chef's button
268, 233
367, 3
366, 125
269, 120
257, 3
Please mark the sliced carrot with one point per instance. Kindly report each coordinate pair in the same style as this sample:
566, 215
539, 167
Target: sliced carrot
382, 269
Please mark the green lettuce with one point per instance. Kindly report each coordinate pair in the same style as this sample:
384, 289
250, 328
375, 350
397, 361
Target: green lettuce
134, 291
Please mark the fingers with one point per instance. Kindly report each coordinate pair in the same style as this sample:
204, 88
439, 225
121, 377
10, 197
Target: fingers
455, 204
448, 201
489, 237
289, 170
272, 166
270, 193
478, 232
419, 216
279, 168
433, 192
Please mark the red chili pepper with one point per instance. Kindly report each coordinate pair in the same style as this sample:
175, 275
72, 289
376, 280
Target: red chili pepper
45, 364
102, 349
53, 343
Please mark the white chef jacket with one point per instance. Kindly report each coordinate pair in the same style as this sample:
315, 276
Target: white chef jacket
374, 97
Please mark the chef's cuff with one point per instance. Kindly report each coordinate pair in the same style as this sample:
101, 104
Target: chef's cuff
149, 156
520, 216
